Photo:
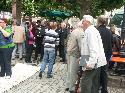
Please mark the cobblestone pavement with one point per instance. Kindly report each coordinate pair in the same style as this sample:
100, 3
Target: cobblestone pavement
52, 85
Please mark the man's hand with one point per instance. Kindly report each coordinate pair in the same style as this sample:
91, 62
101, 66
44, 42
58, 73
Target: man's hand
89, 66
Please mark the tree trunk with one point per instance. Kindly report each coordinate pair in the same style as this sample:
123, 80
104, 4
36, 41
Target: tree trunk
16, 9
84, 7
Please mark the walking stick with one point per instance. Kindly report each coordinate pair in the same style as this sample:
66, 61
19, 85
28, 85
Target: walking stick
79, 74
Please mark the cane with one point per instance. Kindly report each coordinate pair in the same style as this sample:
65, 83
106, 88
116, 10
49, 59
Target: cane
79, 74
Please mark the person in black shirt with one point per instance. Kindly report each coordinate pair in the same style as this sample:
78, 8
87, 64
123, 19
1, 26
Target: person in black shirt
39, 35
106, 36
63, 36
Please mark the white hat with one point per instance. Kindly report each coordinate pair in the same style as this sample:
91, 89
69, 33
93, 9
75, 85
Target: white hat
88, 18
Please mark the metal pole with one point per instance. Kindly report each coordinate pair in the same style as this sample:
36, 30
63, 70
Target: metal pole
123, 28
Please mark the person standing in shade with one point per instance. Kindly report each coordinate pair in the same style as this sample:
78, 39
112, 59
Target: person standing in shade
107, 41
92, 56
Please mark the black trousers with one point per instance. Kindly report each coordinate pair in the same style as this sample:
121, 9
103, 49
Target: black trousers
29, 51
62, 52
39, 50
5, 61
103, 74
103, 79
90, 81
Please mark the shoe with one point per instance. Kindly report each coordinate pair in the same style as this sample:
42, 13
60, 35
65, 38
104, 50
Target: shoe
13, 59
40, 74
7, 77
49, 76
67, 89
113, 74
2, 75
21, 58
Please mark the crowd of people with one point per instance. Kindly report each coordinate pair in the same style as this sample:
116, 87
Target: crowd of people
84, 47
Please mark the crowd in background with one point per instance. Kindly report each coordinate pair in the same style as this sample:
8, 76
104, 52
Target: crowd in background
82, 47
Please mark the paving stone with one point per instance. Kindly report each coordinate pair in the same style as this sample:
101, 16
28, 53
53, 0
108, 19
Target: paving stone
53, 85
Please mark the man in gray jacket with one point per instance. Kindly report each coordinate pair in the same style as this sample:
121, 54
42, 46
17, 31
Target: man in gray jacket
92, 56
73, 54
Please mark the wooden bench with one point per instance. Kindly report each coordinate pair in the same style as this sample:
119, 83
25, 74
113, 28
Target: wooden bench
118, 69
118, 59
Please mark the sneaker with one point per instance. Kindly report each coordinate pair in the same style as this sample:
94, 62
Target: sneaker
40, 74
49, 76
13, 59
7, 77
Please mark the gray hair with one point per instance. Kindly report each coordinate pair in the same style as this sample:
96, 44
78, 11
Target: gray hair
88, 18
102, 20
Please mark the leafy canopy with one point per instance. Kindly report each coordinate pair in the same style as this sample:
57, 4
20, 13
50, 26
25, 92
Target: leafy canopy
31, 7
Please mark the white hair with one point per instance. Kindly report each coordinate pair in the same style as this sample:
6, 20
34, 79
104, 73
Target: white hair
88, 18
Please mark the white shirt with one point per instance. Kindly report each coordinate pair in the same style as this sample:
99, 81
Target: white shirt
92, 51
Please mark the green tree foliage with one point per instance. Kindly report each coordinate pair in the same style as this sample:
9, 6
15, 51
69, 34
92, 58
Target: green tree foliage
99, 6
6, 5
93, 7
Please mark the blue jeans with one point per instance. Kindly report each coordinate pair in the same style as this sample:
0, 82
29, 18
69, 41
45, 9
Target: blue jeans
48, 58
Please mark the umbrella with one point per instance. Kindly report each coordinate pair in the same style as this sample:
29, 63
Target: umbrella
55, 13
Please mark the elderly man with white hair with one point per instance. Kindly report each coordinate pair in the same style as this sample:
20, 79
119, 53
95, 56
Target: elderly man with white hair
92, 56
73, 54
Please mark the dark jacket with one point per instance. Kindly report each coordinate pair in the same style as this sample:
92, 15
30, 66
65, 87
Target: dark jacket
63, 36
107, 38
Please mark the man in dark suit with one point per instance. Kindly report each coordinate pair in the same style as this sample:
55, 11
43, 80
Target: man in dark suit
63, 36
107, 38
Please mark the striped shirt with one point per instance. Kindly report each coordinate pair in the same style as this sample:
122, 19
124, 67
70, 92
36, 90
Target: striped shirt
51, 39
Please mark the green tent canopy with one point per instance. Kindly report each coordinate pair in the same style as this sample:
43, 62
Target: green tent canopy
55, 13
117, 19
